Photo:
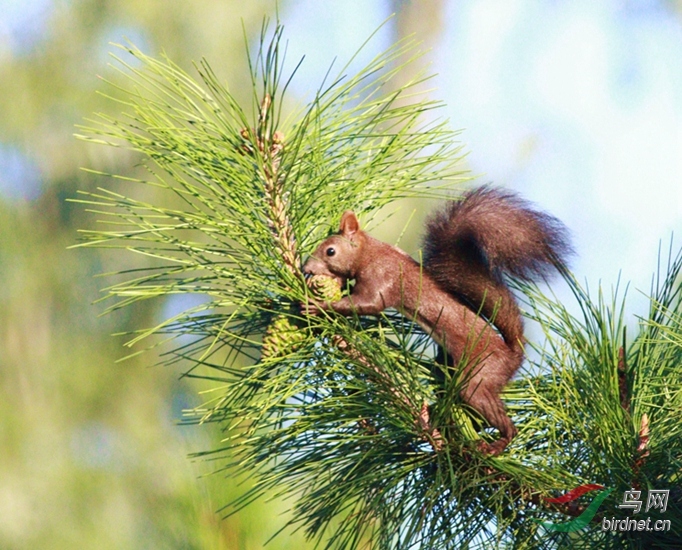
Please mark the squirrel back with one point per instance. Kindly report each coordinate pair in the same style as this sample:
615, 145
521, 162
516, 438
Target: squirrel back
471, 245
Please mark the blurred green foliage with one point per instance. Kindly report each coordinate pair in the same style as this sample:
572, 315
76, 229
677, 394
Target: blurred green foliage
90, 454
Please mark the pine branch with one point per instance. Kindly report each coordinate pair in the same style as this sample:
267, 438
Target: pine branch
356, 417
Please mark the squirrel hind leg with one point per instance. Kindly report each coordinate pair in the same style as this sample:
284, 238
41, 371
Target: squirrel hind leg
486, 400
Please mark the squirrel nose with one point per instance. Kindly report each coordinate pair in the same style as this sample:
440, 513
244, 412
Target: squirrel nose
305, 268
313, 266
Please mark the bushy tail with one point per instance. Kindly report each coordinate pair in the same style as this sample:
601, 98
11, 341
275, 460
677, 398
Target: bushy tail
471, 245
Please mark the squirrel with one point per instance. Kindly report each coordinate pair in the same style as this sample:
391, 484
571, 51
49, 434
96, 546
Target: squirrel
458, 293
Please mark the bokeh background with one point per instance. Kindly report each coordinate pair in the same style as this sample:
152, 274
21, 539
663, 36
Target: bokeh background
576, 104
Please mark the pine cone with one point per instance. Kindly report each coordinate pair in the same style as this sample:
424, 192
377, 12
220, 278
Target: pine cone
281, 338
325, 288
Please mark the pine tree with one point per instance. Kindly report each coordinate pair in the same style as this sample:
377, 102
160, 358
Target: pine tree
345, 415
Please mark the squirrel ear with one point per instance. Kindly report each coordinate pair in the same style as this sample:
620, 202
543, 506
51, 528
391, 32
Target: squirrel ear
349, 223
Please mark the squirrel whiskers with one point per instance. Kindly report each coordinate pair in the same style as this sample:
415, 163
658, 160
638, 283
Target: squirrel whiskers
469, 248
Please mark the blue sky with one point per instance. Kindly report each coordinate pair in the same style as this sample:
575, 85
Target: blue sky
579, 106
22, 22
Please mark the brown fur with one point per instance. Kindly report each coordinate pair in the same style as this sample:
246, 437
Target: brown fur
467, 249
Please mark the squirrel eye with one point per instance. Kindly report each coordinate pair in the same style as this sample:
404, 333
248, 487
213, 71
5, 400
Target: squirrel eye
331, 251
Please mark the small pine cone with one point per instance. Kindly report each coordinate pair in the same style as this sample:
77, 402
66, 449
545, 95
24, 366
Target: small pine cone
281, 338
325, 288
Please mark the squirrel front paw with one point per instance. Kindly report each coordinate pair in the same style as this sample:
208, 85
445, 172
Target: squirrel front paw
311, 307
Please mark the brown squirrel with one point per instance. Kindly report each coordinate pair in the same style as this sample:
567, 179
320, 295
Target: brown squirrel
459, 292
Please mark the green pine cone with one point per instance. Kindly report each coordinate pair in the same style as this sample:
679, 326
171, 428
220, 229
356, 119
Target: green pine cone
325, 288
281, 338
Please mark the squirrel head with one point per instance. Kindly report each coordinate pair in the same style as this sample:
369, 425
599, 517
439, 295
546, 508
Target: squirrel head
337, 256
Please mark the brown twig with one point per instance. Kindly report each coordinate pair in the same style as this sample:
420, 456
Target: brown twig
271, 148
622, 381
431, 434
434, 436
642, 451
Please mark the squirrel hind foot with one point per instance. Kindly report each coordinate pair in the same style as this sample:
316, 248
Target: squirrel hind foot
495, 448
